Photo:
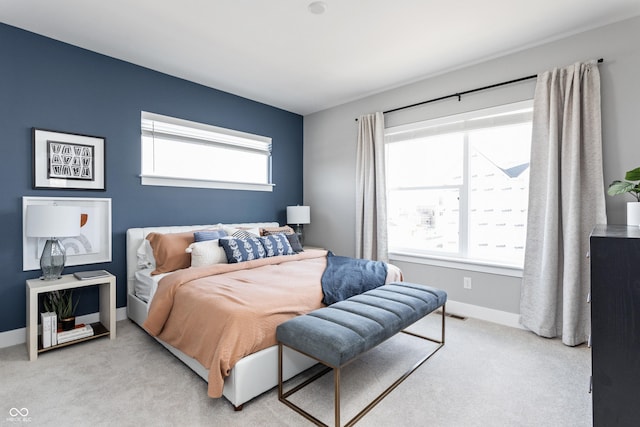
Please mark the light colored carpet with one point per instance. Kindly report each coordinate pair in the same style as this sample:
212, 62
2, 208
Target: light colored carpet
485, 375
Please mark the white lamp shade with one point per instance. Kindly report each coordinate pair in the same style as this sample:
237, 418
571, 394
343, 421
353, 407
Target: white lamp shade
298, 215
53, 221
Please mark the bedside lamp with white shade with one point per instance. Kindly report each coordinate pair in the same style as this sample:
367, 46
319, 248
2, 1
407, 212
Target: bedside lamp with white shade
299, 215
53, 222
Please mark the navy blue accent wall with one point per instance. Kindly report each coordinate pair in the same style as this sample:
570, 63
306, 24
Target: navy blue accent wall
52, 85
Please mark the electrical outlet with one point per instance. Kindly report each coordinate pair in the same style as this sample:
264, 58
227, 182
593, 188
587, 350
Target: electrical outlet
467, 283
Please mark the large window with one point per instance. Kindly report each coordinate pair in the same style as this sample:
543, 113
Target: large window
182, 153
457, 187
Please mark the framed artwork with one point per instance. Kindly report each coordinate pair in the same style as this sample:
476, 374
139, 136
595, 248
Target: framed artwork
92, 246
68, 160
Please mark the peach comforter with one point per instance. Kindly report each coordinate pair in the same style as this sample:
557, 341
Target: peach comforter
221, 313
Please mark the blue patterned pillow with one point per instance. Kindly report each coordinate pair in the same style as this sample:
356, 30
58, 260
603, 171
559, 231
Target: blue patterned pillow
204, 235
277, 244
239, 250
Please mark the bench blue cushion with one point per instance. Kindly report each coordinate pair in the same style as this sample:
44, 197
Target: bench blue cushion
342, 331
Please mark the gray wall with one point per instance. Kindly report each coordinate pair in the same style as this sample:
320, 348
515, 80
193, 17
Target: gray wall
330, 138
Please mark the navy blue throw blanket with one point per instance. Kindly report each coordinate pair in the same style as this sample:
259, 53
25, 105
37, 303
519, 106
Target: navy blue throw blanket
345, 277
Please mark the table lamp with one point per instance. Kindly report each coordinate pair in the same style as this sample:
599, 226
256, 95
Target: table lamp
299, 215
52, 222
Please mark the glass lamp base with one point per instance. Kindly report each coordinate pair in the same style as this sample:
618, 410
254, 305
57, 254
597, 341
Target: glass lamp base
52, 259
300, 233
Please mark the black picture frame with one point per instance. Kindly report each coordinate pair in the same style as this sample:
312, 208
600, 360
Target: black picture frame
63, 160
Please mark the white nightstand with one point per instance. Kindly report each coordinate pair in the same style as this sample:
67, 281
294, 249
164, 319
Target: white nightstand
106, 326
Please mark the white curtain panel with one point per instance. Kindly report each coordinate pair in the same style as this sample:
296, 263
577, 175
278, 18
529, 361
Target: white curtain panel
566, 200
371, 198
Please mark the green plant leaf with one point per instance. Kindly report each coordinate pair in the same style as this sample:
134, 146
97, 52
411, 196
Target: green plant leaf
620, 187
61, 302
633, 175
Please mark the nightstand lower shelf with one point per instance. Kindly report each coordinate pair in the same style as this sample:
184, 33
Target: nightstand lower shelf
99, 331
105, 327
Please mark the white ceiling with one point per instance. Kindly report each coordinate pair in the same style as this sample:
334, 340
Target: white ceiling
278, 53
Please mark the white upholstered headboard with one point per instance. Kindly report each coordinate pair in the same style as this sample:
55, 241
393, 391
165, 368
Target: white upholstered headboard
135, 237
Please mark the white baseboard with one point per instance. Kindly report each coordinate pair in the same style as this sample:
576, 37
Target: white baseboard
483, 313
19, 336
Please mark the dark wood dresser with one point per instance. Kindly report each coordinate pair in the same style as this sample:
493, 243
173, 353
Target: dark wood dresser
615, 325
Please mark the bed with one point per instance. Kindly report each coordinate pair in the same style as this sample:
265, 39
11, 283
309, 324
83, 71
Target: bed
255, 371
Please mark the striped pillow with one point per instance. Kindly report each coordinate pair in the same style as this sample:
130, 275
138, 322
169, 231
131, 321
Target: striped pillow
268, 231
242, 233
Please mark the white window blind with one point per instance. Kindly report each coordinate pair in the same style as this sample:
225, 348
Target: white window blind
183, 153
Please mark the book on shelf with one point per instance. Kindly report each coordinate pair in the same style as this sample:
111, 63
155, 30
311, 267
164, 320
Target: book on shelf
80, 331
54, 329
46, 329
76, 326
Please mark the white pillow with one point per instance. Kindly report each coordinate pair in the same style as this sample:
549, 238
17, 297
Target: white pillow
208, 252
145, 255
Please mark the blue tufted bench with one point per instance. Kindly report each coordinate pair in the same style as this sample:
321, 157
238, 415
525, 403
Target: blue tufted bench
336, 335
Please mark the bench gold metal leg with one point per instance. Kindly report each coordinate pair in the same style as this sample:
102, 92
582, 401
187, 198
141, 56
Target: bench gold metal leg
282, 396
336, 395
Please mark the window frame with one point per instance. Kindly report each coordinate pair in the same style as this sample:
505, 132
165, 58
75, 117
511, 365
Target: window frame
207, 135
454, 123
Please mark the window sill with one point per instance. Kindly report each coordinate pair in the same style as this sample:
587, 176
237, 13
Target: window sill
197, 183
457, 263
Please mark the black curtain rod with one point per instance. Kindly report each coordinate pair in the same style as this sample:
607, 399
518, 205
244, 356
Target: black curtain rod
466, 92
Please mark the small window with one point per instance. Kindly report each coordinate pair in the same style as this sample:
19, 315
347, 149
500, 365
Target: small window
457, 187
182, 153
